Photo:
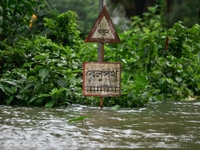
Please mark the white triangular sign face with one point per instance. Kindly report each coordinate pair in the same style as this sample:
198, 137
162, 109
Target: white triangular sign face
103, 30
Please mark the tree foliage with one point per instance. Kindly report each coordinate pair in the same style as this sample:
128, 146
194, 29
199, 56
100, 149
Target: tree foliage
86, 10
186, 11
45, 70
131, 7
172, 11
161, 59
15, 17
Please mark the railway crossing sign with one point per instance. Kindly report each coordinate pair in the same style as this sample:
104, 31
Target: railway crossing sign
101, 79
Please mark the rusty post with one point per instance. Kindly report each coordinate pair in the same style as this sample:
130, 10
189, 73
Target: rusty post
101, 53
100, 45
101, 59
101, 102
101, 49
101, 2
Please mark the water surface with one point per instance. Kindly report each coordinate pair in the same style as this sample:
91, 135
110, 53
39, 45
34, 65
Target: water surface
172, 125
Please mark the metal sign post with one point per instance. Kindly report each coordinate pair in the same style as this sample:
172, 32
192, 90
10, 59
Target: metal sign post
101, 49
100, 78
100, 60
101, 2
100, 45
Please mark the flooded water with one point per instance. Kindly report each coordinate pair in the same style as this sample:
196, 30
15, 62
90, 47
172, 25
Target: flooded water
173, 125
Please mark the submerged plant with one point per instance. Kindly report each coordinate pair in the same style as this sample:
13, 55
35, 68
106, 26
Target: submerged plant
78, 119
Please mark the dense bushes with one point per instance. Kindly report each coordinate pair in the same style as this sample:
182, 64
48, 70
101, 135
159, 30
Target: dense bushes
157, 64
14, 19
48, 77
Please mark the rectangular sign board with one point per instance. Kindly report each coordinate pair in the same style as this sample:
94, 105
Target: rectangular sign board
101, 79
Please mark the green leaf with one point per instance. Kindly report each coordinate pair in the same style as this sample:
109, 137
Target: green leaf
40, 57
144, 42
1, 9
77, 71
116, 107
8, 90
50, 104
1, 30
1, 18
178, 79
44, 95
9, 100
10, 82
19, 96
43, 73
38, 102
124, 60
62, 82
11, 90
31, 100
56, 91
14, 89
26, 87
37, 86
169, 80
80, 118
2, 87
28, 64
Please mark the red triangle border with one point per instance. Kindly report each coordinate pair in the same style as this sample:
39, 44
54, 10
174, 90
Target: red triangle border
103, 13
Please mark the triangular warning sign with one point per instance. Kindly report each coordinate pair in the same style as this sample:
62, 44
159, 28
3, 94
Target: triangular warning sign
103, 30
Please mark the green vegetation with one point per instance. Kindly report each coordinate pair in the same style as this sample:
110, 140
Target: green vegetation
86, 10
185, 10
78, 119
14, 20
46, 69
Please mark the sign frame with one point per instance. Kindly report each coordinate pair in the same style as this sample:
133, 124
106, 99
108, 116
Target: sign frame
115, 88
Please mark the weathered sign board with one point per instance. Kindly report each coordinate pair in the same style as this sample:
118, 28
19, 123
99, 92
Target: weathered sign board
103, 30
101, 79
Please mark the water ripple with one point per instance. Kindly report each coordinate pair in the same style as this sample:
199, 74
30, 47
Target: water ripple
159, 126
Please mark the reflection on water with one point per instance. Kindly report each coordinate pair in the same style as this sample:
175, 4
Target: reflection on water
159, 126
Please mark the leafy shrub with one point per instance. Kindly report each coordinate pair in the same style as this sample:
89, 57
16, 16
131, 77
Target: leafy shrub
14, 19
63, 29
49, 76
11, 58
157, 64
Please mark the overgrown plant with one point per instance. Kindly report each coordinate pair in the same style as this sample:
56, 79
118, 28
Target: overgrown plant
49, 76
15, 17
157, 64
167, 59
63, 29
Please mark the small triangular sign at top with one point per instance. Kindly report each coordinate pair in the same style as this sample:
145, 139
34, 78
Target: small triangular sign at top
103, 30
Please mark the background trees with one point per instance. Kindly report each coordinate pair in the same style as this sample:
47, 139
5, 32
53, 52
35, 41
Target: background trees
130, 7
87, 11
15, 17
41, 65
172, 11
186, 11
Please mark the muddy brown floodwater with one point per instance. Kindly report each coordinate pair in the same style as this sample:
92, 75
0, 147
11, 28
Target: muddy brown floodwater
166, 125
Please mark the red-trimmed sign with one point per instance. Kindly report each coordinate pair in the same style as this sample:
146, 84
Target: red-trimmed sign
101, 79
103, 30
